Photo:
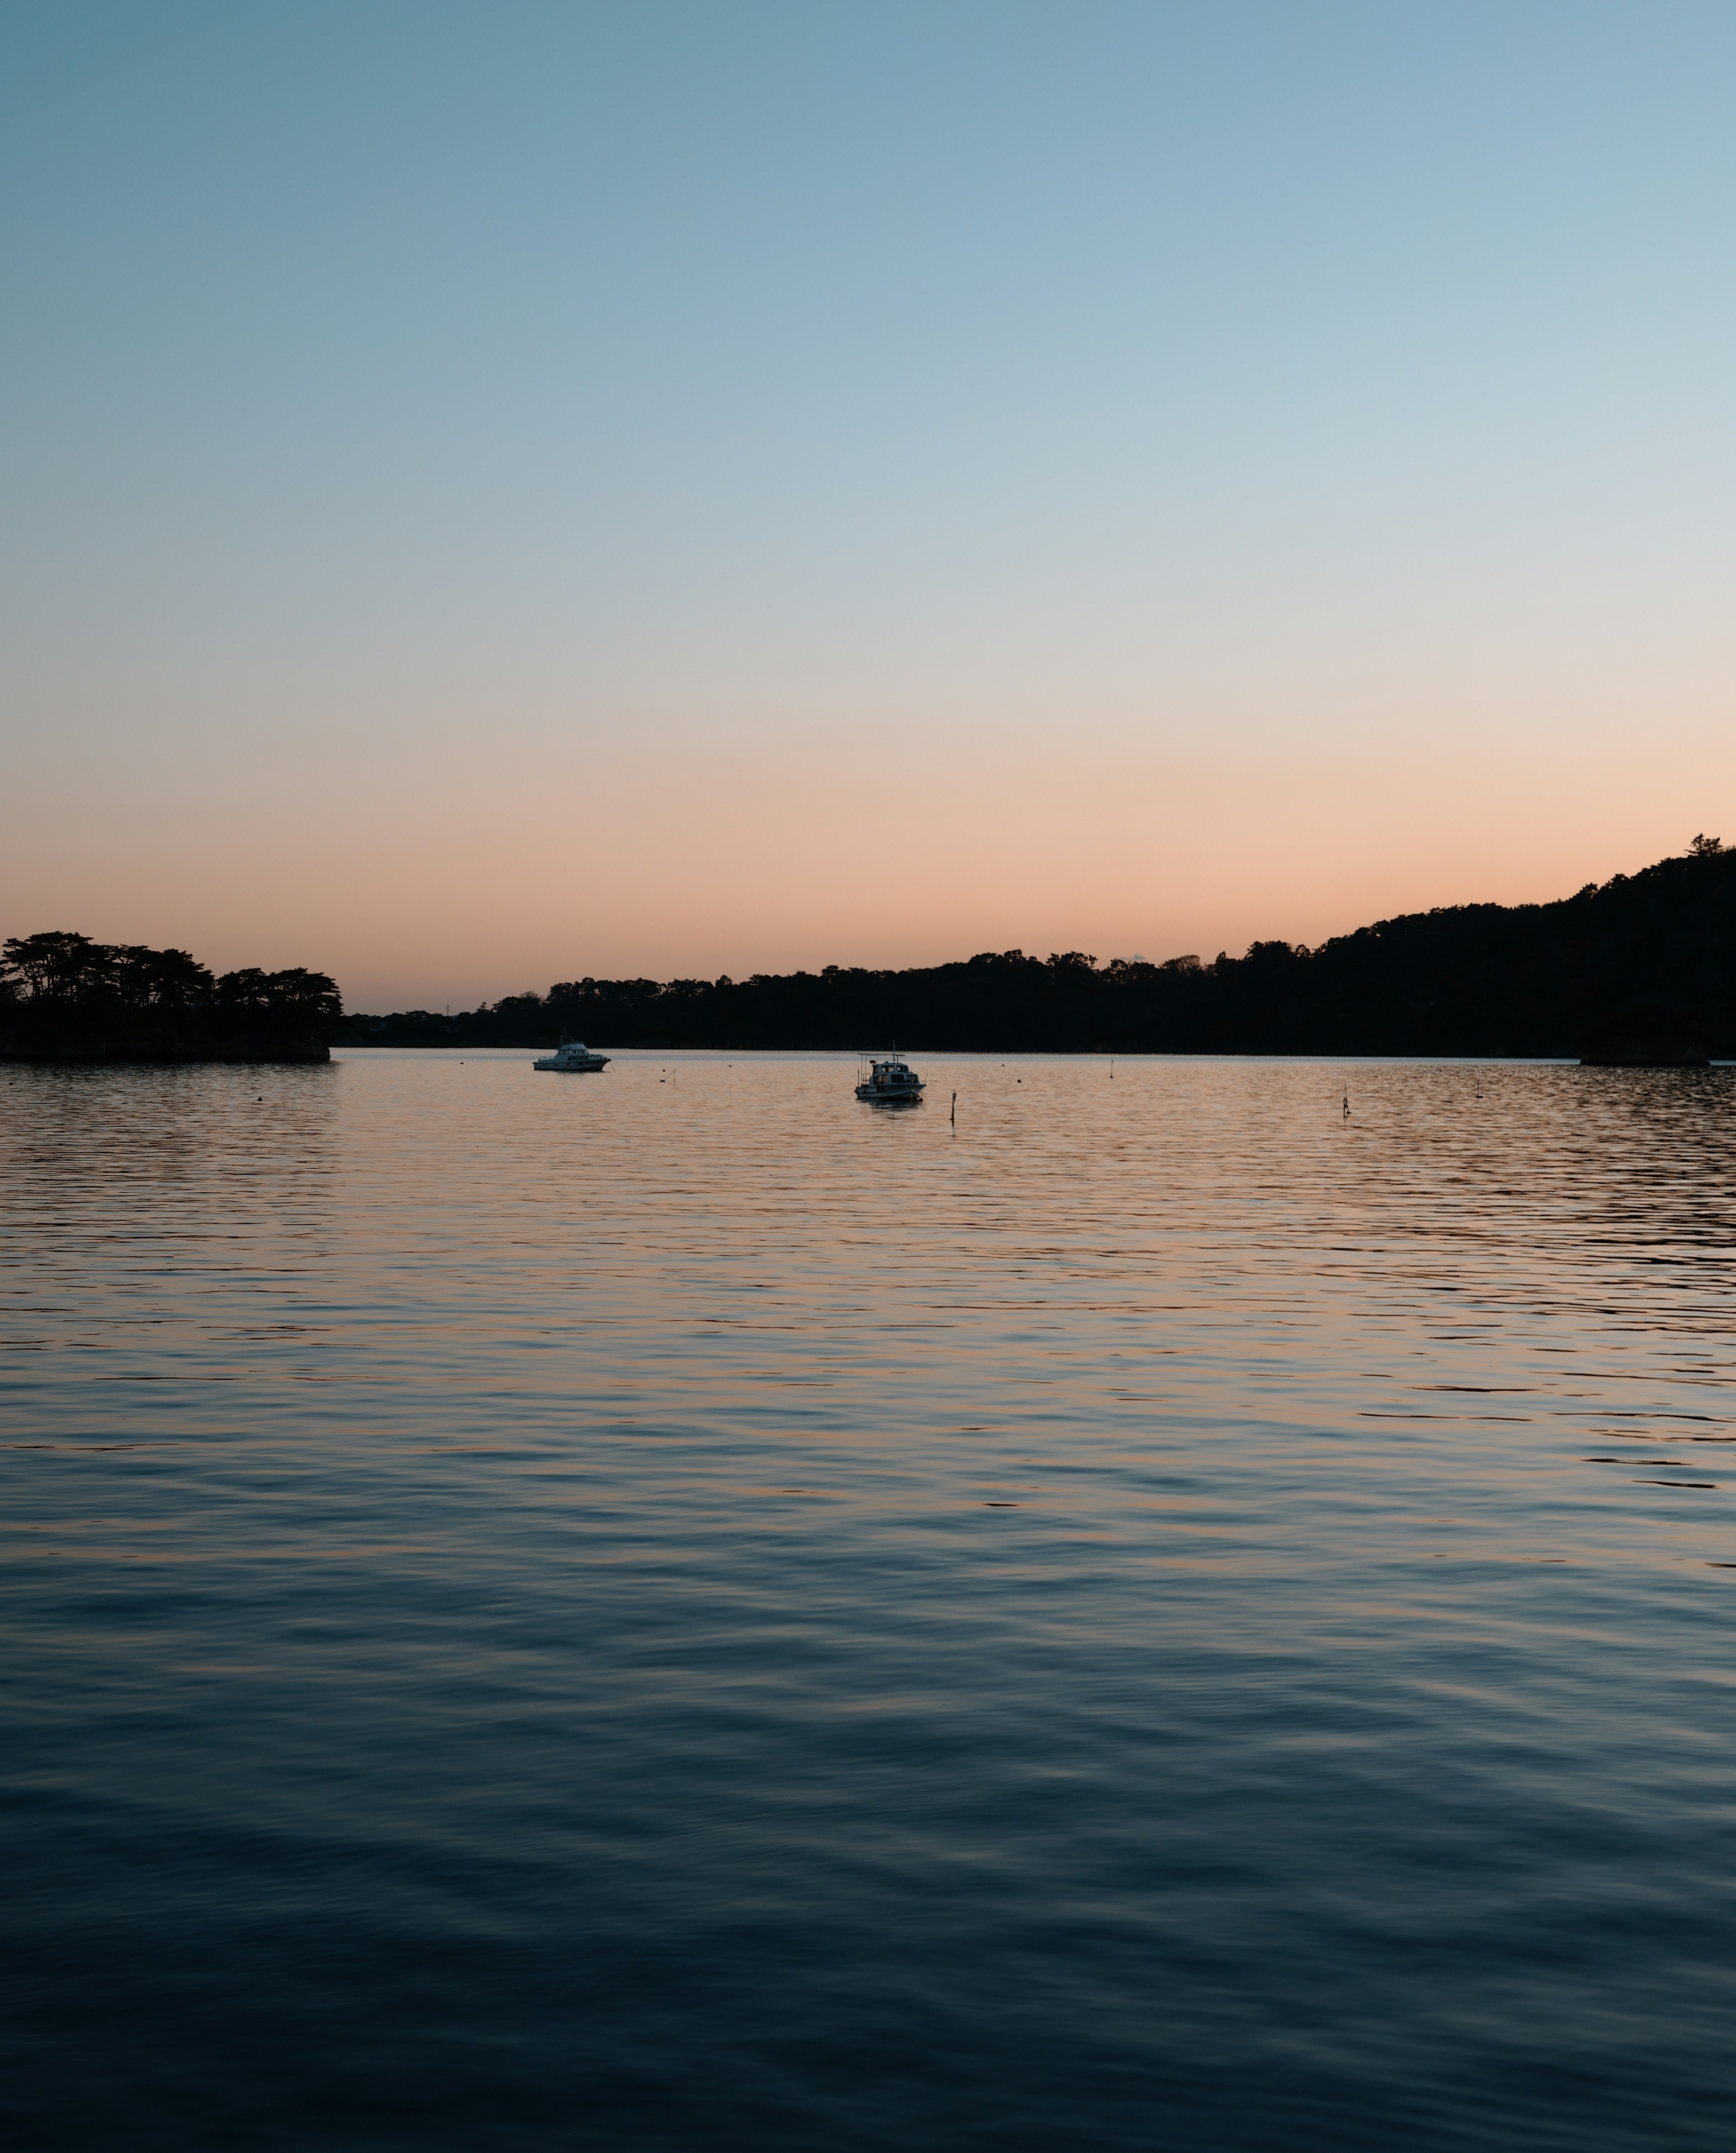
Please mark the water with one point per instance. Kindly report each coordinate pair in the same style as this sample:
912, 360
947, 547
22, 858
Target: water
672, 1610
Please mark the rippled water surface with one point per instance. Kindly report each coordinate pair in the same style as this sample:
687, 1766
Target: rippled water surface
671, 1608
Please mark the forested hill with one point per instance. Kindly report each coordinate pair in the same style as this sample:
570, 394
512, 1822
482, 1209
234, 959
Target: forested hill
1653, 952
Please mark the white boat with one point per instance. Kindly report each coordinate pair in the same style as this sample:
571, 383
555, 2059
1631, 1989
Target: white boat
573, 1058
886, 1082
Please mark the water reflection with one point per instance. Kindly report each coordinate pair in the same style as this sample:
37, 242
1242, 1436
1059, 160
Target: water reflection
696, 1612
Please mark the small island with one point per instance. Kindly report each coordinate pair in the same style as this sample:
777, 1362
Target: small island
64, 998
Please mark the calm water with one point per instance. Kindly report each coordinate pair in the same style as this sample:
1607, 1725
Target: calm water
673, 1610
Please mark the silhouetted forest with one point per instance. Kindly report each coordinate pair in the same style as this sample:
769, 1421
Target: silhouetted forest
1640, 967
65, 998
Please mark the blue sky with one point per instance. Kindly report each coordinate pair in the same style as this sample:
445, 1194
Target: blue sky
1142, 477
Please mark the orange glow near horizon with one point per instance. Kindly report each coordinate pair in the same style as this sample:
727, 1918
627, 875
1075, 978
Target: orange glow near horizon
483, 874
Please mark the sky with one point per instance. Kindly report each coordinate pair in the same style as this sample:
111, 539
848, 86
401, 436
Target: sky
496, 494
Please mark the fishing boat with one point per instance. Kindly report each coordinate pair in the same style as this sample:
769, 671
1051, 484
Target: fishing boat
884, 1081
572, 1058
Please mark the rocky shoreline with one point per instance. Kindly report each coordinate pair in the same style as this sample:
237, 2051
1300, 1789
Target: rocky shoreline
76, 1044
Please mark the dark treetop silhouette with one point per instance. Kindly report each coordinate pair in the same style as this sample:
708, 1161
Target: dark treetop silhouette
1641, 967
65, 998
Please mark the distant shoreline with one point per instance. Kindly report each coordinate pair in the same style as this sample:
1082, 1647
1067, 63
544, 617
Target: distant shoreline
1636, 971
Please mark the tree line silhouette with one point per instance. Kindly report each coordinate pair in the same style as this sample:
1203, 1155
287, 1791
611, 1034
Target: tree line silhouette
65, 997
1641, 967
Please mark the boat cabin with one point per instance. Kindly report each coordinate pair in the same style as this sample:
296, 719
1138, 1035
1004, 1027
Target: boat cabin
885, 1077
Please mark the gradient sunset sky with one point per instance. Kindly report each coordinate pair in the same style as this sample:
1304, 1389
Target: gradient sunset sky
497, 493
